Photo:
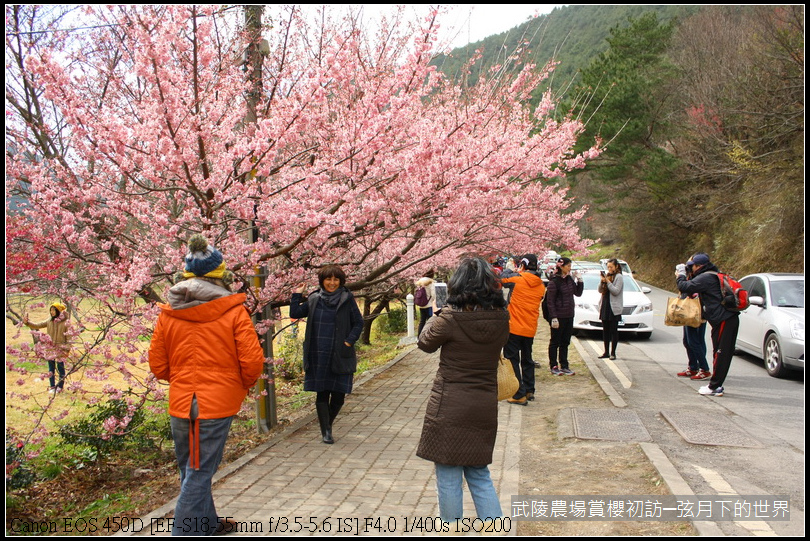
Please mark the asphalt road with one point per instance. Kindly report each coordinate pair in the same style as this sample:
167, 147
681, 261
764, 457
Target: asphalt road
770, 410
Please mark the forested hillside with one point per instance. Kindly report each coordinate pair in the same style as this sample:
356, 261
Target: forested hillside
701, 112
571, 35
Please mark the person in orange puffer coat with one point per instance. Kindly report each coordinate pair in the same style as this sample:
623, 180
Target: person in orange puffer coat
204, 344
524, 310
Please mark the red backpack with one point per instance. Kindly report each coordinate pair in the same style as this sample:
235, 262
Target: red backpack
733, 296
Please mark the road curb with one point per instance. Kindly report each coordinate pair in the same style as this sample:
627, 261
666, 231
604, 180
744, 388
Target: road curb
600, 378
677, 485
669, 474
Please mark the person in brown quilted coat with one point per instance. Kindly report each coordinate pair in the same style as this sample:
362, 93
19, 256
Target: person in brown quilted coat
461, 420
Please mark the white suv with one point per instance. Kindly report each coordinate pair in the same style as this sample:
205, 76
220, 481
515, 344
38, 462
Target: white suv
623, 264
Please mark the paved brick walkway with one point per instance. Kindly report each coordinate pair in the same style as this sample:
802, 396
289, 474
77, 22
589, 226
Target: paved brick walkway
370, 482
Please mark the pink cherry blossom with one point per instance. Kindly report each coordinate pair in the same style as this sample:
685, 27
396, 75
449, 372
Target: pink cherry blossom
127, 138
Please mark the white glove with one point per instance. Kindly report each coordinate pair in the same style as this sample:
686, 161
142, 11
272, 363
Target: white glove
680, 269
555, 324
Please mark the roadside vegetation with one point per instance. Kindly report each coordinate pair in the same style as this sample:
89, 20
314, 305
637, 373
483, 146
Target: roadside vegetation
79, 474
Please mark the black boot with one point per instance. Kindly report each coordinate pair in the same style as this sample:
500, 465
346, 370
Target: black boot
333, 412
323, 419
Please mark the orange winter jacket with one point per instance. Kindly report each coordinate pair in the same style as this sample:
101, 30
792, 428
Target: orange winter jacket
524, 304
209, 350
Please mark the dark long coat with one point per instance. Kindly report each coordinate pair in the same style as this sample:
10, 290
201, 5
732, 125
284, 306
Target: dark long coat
461, 420
333, 370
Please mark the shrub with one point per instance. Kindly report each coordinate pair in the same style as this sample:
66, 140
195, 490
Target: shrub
288, 361
394, 322
18, 471
94, 431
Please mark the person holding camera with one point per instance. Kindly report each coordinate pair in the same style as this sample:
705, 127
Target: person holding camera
562, 289
725, 323
694, 341
461, 417
610, 307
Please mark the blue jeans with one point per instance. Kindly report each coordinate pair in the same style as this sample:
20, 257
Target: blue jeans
195, 513
694, 340
53, 366
451, 498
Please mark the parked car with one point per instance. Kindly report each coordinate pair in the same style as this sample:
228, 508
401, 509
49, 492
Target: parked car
586, 266
622, 263
580, 266
637, 314
772, 328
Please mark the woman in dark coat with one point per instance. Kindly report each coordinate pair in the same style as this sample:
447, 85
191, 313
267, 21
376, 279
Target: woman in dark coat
461, 420
334, 324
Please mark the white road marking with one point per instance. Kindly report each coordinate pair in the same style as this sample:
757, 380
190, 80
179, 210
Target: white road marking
721, 486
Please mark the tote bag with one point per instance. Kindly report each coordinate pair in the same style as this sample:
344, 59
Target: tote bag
683, 312
507, 382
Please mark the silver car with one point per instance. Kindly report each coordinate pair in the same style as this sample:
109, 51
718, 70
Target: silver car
772, 328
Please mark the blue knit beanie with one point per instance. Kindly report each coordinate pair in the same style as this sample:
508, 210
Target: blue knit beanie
202, 258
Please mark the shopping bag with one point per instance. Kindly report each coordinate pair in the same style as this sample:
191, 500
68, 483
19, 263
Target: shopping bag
507, 381
683, 312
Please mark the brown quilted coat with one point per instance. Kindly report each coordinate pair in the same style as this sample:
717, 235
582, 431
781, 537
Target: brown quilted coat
461, 420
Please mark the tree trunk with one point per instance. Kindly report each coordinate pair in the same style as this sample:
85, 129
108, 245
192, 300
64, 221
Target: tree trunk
368, 319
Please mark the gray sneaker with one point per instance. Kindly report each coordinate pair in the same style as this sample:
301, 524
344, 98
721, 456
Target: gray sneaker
556, 371
566, 372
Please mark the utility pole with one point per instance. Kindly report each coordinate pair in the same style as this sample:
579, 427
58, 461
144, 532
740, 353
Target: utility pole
266, 417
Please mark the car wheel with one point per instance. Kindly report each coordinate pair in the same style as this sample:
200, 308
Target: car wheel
773, 357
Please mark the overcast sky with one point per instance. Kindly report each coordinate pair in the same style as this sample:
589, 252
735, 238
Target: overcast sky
466, 23
478, 21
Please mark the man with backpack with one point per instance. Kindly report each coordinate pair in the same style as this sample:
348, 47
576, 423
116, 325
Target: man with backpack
722, 315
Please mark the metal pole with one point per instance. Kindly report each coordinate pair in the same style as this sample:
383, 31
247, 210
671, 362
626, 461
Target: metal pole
266, 414
266, 417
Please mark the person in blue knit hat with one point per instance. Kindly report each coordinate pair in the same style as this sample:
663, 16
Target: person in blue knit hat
205, 345
203, 259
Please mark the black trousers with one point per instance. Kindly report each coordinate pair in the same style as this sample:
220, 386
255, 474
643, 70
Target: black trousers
333, 398
610, 334
560, 340
519, 351
724, 339
424, 315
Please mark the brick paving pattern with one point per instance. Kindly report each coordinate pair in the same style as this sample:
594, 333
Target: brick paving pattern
370, 482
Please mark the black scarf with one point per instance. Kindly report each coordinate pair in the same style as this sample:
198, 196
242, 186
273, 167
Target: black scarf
331, 300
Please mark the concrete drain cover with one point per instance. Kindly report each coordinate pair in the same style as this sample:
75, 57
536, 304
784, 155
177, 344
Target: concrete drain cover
709, 429
608, 424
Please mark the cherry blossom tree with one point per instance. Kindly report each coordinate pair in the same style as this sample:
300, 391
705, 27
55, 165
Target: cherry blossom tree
130, 134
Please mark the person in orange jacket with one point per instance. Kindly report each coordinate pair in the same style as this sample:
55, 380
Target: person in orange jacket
524, 310
205, 345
